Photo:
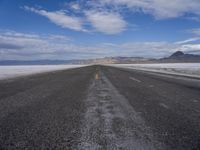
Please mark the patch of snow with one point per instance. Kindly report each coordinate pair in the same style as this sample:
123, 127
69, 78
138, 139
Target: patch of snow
188, 69
16, 71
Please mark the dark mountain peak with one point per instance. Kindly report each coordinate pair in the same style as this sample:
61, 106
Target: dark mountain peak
177, 54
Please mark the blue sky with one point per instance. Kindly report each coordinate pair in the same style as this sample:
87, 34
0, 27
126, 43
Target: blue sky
66, 29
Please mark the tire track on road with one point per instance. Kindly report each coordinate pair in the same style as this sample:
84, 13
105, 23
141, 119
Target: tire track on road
111, 123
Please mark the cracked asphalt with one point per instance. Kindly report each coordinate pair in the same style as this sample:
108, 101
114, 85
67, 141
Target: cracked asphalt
100, 107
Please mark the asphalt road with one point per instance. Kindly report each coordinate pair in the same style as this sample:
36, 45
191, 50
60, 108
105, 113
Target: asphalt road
100, 107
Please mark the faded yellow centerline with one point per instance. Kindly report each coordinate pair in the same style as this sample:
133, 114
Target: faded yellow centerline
97, 74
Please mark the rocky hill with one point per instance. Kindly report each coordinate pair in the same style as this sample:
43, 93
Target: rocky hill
176, 57
179, 56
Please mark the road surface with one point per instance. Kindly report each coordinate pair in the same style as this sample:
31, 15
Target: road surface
100, 107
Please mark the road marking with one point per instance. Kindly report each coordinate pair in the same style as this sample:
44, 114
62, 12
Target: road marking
97, 75
101, 115
134, 79
164, 105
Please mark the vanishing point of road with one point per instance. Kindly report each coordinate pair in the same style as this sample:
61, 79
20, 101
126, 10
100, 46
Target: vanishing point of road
100, 107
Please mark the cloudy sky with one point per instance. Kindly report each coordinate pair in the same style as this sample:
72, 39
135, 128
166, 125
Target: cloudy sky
81, 29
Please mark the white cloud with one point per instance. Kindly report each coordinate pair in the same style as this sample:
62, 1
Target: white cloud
106, 16
148, 49
106, 22
195, 31
102, 21
160, 9
75, 6
15, 45
194, 18
151, 49
21, 46
188, 40
60, 18
72, 6
190, 48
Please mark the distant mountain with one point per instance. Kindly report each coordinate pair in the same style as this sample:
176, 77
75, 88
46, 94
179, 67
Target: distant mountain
38, 62
116, 60
106, 60
179, 56
176, 57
